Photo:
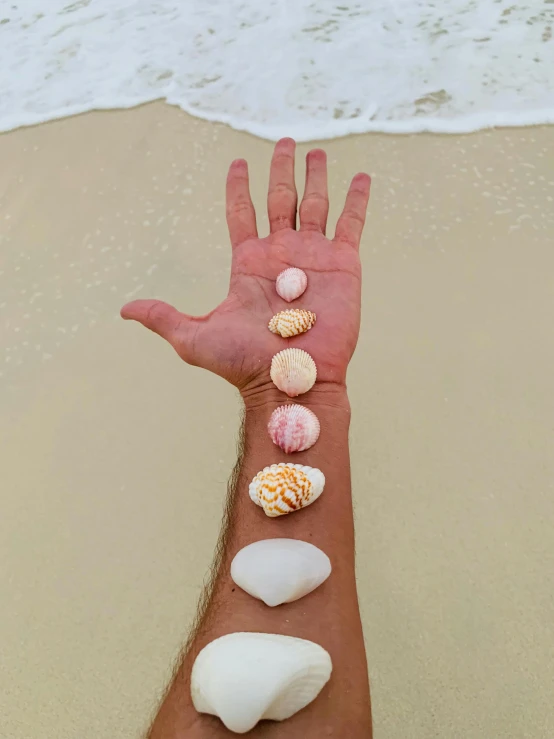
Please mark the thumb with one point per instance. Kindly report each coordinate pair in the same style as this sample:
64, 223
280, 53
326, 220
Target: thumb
165, 320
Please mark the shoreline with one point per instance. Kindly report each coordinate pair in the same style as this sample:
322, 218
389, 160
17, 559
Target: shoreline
462, 125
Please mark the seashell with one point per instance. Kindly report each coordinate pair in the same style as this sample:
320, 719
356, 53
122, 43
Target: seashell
245, 677
293, 371
280, 570
293, 427
285, 487
291, 283
292, 322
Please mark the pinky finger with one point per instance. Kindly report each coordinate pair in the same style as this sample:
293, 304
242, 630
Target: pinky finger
352, 219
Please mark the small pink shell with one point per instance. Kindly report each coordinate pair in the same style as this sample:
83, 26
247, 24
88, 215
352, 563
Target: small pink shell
293, 427
291, 283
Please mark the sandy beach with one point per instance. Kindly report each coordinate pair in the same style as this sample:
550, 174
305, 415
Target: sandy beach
115, 455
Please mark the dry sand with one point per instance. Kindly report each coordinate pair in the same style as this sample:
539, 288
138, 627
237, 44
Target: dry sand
115, 455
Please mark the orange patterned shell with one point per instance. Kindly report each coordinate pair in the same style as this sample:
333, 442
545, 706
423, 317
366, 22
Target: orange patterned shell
292, 322
285, 487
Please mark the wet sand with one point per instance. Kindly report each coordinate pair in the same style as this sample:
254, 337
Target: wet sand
115, 455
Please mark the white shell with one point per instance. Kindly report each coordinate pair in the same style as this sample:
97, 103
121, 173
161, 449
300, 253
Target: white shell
292, 322
293, 428
293, 371
280, 570
283, 488
291, 283
245, 677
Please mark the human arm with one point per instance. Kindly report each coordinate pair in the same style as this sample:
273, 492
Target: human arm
234, 342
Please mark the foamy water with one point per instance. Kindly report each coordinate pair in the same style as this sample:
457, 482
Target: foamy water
303, 68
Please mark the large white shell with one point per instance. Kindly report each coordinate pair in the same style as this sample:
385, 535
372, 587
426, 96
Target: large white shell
293, 371
291, 283
292, 322
280, 570
245, 677
285, 487
293, 427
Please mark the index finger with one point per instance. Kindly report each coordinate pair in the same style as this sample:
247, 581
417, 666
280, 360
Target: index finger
352, 219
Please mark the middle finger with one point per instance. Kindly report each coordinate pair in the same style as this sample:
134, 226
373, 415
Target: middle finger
315, 202
282, 197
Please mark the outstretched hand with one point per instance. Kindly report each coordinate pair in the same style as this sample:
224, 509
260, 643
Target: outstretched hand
233, 340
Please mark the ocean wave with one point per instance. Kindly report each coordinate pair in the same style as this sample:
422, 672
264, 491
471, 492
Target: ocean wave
312, 70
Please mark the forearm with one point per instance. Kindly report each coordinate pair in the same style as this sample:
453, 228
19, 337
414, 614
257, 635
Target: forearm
328, 616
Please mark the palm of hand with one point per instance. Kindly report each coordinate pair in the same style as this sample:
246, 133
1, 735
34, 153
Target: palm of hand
233, 340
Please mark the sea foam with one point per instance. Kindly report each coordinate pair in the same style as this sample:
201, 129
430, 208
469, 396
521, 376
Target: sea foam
311, 69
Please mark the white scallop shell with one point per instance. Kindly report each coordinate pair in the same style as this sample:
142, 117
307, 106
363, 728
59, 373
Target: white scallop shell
280, 570
292, 322
293, 371
293, 427
245, 677
285, 487
291, 283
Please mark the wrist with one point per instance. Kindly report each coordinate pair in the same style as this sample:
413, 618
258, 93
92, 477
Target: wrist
265, 396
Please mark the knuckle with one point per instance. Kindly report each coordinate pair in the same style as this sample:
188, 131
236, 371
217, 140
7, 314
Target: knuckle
280, 222
238, 171
311, 204
239, 207
154, 312
346, 239
316, 197
309, 218
353, 216
283, 190
283, 155
156, 315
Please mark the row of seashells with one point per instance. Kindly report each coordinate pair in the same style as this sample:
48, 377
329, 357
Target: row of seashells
245, 677
282, 488
293, 428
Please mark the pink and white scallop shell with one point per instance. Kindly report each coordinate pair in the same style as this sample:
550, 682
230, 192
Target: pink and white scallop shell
291, 283
293, 428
